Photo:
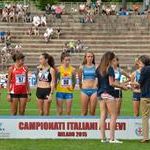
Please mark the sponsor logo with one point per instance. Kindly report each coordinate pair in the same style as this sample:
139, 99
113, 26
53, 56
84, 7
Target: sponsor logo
3, 134
138, 131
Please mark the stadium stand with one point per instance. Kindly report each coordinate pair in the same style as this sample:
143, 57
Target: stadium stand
127, 36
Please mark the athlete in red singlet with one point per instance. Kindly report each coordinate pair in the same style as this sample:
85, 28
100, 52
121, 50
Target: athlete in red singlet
17, 85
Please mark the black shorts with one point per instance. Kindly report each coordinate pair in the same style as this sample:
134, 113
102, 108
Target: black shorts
118, 93
43, 93
19, 96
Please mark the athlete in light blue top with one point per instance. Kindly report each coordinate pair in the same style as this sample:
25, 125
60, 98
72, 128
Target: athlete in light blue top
88, 84
136, 90
118, 75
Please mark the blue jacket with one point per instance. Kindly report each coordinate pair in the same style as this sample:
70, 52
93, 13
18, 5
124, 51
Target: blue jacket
144, 82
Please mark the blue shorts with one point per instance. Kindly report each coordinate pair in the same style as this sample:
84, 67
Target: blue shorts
65, 96
136, 96
89, 92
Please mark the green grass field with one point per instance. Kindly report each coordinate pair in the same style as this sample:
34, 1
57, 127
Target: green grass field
127, 109
27, 144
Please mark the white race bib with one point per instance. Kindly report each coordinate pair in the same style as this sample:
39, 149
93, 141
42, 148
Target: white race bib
66, 82
20, 79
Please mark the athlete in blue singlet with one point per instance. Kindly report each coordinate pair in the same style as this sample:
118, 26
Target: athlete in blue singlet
136, 91
88, 84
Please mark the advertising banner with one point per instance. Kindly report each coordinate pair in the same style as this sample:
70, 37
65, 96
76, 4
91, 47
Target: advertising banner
66, 128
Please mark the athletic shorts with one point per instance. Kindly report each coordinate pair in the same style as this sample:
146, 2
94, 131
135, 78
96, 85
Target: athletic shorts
118, 93
18, 96
136, 96
43, 93
106, 96
89, 92
64, 96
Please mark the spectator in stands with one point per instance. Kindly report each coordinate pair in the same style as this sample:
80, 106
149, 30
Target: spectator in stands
20, 14
108, 10
82, 8
8, 36
28, 18
72, 46
123, 12
8, 39
8, 6
3, 36
93, 8
48, 34
36, 31
12, 15
25, 7
48, 9
19, 5
18, 48
89, 15
113, 9
36, 21
104, 10
43, 20
79, 46
5, 14
66, 48
136, 8
4, 49
7, 49
53, 7
58, 32
30, 31
88, 3
58, 12
97, 4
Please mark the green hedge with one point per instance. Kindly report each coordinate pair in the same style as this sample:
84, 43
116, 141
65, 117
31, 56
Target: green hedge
42, 3
102, 0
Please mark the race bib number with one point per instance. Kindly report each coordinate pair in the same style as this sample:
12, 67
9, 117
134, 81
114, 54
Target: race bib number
43, 76
20, 79
66, 82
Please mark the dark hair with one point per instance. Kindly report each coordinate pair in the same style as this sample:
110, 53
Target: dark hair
50, 59
118, 61
105, 63
85, 60
144, 59
17, 56
63, 55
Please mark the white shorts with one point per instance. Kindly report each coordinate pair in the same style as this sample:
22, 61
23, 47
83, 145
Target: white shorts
106, 96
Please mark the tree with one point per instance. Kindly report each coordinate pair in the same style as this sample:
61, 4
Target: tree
43, 3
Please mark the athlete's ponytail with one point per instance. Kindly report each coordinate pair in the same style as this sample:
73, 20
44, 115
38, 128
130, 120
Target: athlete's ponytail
118, 65
51, 61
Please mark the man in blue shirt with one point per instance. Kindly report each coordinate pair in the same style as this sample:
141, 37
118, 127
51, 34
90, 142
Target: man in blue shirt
2, 35
144, 84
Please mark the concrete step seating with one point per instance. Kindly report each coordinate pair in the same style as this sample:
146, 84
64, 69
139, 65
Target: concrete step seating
128, 37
